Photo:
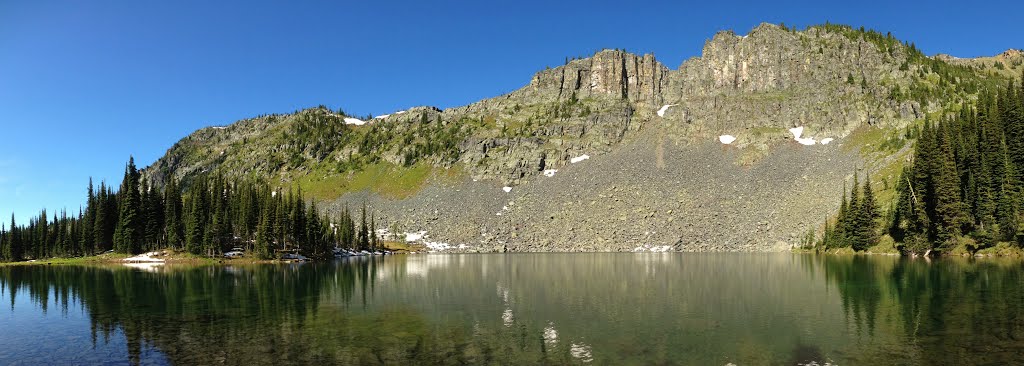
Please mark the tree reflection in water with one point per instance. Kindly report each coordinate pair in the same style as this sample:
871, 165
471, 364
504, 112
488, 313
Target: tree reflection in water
544, 309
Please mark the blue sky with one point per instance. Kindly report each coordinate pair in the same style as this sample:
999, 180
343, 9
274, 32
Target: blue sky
85, 84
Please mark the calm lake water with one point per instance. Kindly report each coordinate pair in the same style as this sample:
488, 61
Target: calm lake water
602, 309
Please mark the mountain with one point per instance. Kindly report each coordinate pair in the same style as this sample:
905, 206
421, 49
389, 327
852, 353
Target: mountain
618, 152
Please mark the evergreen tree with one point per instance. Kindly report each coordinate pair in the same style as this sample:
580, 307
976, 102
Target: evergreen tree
264, 235
364, 239
373, 235
195, 221
13, 249
128, 233
174, 230
868, 216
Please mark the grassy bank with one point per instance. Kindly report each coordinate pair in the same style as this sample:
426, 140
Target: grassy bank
172, 257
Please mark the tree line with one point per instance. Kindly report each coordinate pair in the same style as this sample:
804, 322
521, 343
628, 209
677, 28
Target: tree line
213, 216
963, 187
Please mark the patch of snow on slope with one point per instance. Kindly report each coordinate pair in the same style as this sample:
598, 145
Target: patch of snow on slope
354, 121
805, 141
726, 139
382, 116
399, 112
415, 236
664, 108
218, 127
434, 246
653, 249
579, 159
826, 140
506, 189
550, 172
145, 258
797, 131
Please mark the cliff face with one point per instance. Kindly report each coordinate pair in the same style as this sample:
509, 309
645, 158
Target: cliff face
657, 173
615, 74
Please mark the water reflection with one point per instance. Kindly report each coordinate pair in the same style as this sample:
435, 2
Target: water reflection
661, 308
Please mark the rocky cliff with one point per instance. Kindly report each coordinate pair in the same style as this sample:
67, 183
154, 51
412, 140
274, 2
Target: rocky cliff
616, 151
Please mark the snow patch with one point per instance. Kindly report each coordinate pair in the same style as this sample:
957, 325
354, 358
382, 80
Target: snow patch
826, 140
382, 116
354, 121
579, 159
664, 108
434, 246
399, 112
506, 189
805, 141
726, 139
653, 249
415, 236
218, 127
550, 172
797, 132
146, 258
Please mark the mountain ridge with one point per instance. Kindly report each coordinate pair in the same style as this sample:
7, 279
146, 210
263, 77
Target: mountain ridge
857, 87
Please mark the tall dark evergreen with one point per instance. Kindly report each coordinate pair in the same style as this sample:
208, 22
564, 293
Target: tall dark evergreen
174, 228
364, 238
128, 235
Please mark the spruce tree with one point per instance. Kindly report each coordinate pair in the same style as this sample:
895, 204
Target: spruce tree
264, 235
868, 217
373, 235
13, 249
128, 232
364, 238
174, 229
948, 207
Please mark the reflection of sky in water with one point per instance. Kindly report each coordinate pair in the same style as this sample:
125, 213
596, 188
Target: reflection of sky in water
526, 309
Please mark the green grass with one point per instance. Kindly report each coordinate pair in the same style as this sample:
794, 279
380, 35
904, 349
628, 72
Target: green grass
1003, 249
95, 259
403, 246
866, 138
388, 180
759, 132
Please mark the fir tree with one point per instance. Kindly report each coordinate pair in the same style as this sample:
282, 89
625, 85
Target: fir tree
128, 232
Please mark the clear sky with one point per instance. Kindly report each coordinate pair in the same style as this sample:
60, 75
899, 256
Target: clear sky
85, 84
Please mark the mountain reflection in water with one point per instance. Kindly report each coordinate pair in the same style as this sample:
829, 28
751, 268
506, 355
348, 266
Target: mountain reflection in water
653, 308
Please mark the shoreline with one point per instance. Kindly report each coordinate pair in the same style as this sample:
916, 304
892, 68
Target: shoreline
180, 258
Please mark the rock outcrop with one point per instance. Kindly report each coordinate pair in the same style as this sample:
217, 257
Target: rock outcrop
658, 175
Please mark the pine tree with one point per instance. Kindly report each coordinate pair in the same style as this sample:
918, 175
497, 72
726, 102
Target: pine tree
174, 229
13, 249
264, 235
88, 239
948, 207
195, 222
1007, 206
867, 218
852, 226
373, 235
364, 239
128, 233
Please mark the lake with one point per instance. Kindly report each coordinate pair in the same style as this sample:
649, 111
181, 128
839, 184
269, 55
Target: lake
522, 309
